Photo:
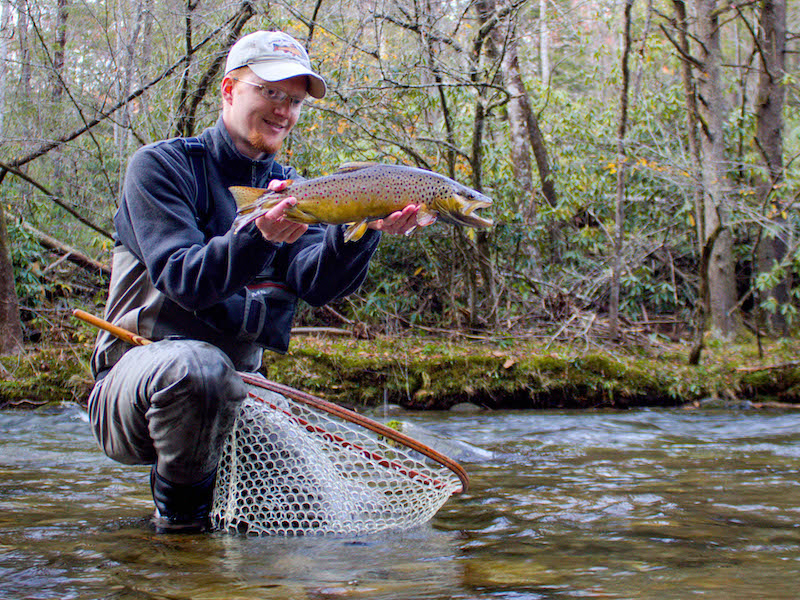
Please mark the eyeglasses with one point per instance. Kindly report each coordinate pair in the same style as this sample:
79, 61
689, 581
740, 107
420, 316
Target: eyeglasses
275, 95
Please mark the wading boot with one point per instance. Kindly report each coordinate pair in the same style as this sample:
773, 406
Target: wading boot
181, 508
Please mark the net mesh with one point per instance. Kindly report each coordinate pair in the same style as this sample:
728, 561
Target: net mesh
287, 469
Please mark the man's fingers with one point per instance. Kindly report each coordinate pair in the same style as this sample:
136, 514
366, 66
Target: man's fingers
278, 185
275, 228
399, 222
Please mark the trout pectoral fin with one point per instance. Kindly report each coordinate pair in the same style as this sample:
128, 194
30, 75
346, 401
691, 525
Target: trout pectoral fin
426, 216
355, 231
298, 215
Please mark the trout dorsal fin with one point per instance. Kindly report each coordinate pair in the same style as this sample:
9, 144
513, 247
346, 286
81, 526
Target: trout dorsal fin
355, 166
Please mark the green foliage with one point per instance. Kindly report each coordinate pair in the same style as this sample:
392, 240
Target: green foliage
787, 270
28, 259
405, 87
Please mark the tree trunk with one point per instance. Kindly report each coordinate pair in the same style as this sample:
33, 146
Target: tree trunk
186, 118
184, 125
518, 109
526, 136
701, 309
10, 325
6, 33
23, 20
58, 88
690, 102
519, 116
432, 48
483, 255
126, 48
59, 50
721, 272
705, 244
769, 139
70, 253
619, 210
544, 43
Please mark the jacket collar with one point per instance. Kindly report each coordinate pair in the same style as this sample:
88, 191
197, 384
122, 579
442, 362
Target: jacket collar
235, 167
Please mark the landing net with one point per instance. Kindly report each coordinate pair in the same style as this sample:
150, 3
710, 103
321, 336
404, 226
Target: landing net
289, 468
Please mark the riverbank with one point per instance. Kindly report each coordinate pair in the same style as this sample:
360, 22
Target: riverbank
439, 374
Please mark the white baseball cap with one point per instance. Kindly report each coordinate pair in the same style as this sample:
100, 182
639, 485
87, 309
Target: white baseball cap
274, 56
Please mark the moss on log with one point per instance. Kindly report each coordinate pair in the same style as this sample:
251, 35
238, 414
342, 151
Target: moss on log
437, 374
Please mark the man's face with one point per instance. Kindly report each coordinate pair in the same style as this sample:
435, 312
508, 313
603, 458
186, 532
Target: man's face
257, 124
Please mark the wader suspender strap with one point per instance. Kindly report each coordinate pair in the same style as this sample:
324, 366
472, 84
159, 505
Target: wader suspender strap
197, 152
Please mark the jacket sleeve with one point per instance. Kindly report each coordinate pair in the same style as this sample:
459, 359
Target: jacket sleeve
321, 266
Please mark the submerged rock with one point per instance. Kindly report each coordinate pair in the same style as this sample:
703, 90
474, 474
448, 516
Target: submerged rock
466, 407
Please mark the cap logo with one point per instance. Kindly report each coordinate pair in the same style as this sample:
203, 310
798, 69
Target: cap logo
287, 49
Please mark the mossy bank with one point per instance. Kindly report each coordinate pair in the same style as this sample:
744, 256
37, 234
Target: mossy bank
436, 374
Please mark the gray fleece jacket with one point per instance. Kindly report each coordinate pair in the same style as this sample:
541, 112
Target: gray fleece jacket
179, 271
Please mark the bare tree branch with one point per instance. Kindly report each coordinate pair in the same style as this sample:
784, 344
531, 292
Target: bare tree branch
14, 171
45, 148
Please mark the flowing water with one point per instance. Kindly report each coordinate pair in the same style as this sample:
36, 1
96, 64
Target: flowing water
642, 504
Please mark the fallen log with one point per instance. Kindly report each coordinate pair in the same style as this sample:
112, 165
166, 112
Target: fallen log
321, 331
69, 253
785, 365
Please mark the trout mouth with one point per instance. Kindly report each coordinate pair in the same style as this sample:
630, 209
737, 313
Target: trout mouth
475, 202
462, 211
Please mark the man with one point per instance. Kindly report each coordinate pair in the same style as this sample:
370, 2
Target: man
211, 299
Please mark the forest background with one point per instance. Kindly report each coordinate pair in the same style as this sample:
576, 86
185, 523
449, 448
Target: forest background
641, 154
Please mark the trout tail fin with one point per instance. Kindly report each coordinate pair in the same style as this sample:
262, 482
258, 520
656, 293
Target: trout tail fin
251, 203
249, 198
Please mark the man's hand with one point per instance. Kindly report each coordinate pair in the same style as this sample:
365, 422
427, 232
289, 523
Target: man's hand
400, 222
273, 226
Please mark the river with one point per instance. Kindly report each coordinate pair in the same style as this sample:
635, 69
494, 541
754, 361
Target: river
664, 504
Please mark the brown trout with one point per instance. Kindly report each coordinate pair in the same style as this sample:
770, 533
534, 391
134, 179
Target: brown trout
362, 192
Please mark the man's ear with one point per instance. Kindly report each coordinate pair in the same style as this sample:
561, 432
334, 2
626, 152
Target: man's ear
226, 87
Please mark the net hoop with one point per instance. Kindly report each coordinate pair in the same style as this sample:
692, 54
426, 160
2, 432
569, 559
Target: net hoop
294, 464
360, 420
